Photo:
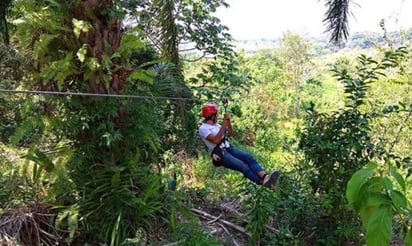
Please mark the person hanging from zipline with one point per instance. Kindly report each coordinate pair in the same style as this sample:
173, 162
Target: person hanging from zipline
215, 137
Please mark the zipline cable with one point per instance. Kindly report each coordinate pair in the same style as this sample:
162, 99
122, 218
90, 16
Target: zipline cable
84, 94
97, 95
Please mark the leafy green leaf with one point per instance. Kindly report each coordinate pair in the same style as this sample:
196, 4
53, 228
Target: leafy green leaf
116, 179
408, 238
398, 199
379, 227
356, 182
375, 184
371, 203
81, 53
388, 183
377, 199
365, 214
142, 75
80, 26
129, 43
41, 47
41, 159
399, 179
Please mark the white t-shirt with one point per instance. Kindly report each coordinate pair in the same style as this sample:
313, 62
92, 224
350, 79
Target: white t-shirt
205, 130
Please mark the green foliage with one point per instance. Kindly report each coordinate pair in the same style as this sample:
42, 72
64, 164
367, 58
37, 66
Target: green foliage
335, 148
296, 210
259, 206
220, 78
312, 90
118, 212
13, 189
180, 122
12, 69
297, 61
375, 197
261, 107
33, 176
50, 172
8, 116
59, 71
13, 66
200, 33
110, 186
367, 72
194, 23
191, 233
68, 219
393, 128
337, 144
265, 66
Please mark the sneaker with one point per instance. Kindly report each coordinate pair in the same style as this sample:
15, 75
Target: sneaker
271, 179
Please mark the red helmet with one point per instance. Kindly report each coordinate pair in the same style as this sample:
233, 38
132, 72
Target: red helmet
209, 109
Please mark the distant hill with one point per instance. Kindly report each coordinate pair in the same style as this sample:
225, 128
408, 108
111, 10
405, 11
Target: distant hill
321, 45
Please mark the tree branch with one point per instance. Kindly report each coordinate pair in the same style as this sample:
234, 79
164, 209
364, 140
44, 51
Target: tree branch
205, 215
231, 210
195, 59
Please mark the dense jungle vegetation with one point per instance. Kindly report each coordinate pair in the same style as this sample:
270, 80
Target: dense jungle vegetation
99, 108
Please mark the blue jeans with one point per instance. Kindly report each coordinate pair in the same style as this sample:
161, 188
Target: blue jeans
243, 162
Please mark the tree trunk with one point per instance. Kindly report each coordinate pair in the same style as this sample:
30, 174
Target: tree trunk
103, 40
4, 7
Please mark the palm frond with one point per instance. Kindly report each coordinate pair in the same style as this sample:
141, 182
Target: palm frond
337, 19
169, 82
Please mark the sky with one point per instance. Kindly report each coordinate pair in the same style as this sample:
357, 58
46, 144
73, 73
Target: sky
256, 19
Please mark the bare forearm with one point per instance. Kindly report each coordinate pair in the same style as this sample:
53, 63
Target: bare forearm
218, 137
227, 124
230, 129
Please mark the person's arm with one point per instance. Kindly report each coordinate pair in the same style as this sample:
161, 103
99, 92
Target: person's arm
216, 139
226, 118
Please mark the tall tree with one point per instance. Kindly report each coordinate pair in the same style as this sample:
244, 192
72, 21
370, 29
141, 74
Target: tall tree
170, 75
200, 37
297, 63
186, 32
